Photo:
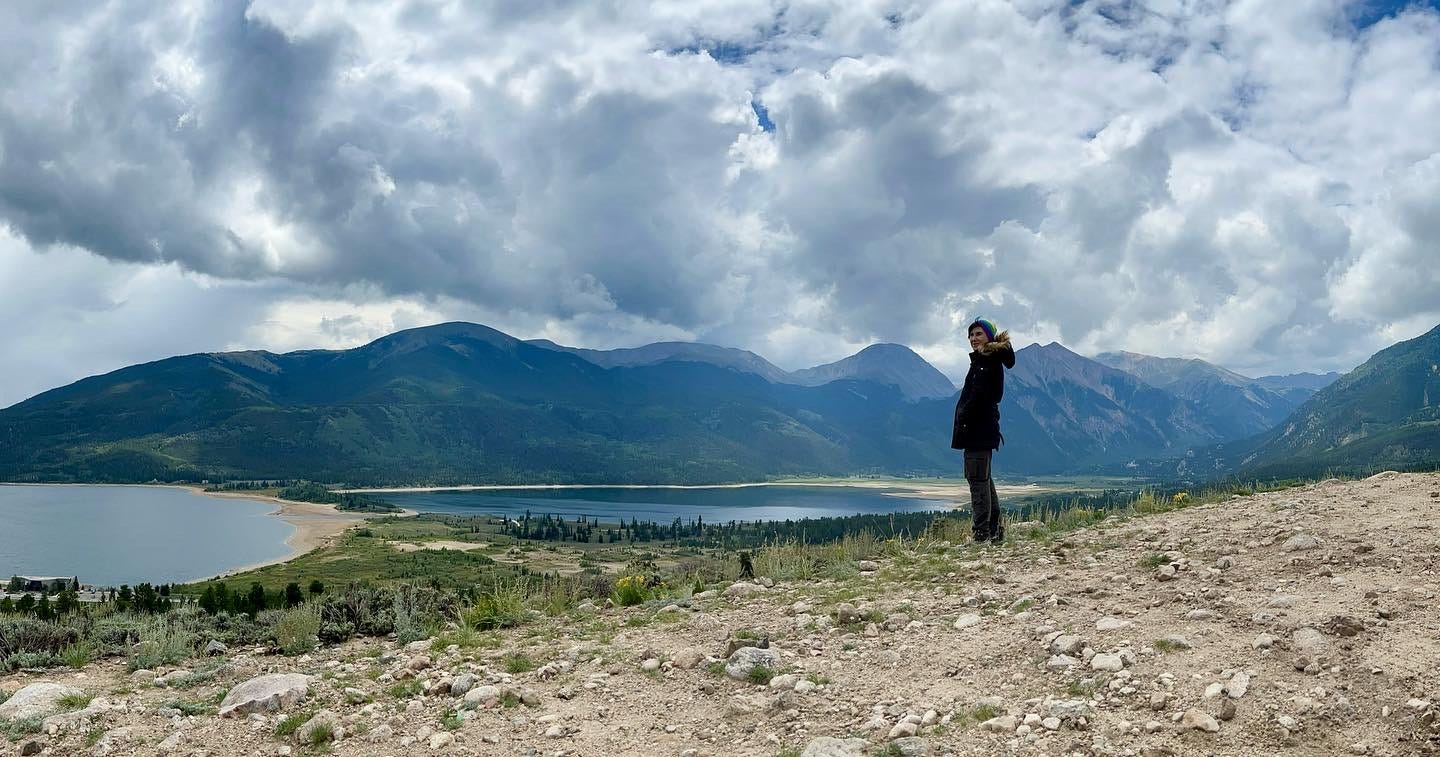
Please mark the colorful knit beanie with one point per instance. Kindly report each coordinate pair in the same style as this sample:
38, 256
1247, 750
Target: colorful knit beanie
986, 326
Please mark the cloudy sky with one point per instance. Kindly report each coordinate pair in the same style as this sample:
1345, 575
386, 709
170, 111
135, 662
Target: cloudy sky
1256, 183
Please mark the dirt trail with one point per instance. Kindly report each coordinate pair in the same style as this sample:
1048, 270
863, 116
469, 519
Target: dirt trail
1298, 622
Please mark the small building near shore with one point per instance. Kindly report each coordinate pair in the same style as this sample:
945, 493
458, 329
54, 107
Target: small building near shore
44, 584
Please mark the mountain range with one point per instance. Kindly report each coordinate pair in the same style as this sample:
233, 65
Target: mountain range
463, 403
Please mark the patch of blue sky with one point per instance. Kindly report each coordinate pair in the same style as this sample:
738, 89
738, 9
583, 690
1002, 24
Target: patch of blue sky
1367, 13
763, 114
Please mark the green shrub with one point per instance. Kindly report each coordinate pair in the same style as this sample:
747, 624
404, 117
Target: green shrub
291, 723
15, 729
518, 663
760, 675
78, 655
295, 630
71, 702
404, 689
501, 606
630, 590
322, 733
161, 643
31, 661
189, 708
19, 635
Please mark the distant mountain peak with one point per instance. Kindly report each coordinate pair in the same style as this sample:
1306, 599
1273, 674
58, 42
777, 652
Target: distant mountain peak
883, 363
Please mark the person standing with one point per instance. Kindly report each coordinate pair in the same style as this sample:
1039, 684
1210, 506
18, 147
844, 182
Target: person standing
977, 424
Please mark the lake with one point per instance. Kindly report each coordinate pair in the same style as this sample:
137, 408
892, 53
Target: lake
109, 535
663, 505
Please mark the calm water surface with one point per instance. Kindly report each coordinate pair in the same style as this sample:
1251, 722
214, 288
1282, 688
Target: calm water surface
664, 505
109, 535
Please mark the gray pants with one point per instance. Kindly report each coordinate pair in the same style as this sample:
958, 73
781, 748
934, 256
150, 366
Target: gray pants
985, 521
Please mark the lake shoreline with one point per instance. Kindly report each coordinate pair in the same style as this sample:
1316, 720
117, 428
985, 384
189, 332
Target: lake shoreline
958, 493
315, 525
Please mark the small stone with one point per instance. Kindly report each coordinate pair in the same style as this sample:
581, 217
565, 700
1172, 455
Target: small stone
1106, 661
320, 721
967, 620
1263, 641
688, 658
30, 748
903, 729
1227, 710
215, 649
1201, 614
1111, 624
1301, 543
1199, 720
1051, 723
1002, 724
650, 665
1309, 642
441, 740
1238, 685
1061, 662
829, 746
784, 682
867, 566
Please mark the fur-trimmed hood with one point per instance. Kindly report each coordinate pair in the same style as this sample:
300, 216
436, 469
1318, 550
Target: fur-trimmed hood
1000, 348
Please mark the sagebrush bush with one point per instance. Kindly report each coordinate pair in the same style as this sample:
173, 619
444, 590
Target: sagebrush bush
31, 661
500, 606
21, 635
296, 630
163, 641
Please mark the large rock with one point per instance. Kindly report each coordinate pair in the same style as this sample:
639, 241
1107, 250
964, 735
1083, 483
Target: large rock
267, 693
829, 746
746, 659
37, 699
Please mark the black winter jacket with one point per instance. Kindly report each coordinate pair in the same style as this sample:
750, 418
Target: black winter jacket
977, 413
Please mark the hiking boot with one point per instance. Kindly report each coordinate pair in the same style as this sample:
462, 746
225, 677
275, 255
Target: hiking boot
998, 538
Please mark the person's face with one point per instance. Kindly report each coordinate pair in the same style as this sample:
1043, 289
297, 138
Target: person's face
977, 337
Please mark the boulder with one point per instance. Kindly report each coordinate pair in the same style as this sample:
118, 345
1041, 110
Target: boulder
36, 700
215, 649
267, 693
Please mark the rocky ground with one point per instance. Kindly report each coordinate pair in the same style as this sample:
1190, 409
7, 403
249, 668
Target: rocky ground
1297, 622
